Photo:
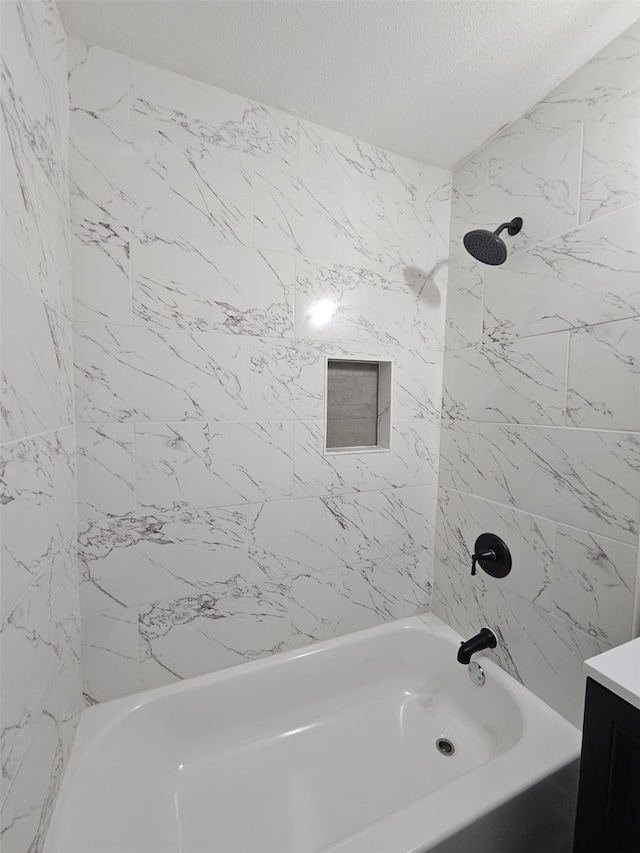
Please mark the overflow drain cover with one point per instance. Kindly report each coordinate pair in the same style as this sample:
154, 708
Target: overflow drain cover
445, 746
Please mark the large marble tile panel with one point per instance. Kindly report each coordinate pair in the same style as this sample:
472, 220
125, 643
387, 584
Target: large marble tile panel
30, 661
603, 385
335, 530
233, 623
289, 537
170, 101
351, 304
98, 79
417, 572
417, 384
456, 599
462, 518
430, 307
34, 96
583, 95
417, 234
458, 446
320, 473
594, 584
587, 276
349, 160
110, 666
65, 603
211, 286
405, 519
469, 180
286, 380
106, 470
464, 300
544, 189
465, 275
29, 802
548, 654
348, 223
37, 393
520, 382
579, 99
611, 160
271, 540
126, 373
191, 466
34, 162
543, 652
37, 508
35, 224
579, 477
66, 696
317, 218
424, 452
149, 179
129, 561
100, 255
99, 149
338, 601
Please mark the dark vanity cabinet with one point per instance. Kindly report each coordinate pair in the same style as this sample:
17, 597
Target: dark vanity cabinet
608, 813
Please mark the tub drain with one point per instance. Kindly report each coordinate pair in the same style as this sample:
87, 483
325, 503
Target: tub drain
445, 746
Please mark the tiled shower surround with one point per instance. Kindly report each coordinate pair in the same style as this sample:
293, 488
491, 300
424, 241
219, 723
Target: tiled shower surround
211, 236
216, 254
40, 633
541, 410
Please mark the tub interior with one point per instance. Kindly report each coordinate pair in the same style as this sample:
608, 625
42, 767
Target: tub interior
293, 758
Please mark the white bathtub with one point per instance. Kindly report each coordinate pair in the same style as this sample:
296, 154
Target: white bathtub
327, 748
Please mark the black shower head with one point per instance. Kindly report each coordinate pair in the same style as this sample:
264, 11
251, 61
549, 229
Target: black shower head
488, 246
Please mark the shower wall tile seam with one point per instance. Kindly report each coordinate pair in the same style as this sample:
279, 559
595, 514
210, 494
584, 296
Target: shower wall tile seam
290, 639
547, 612
506, 342
31, 436
174, 131
573, 230
566, 383
37, 294
45, 569
190, 510
580, 175
253, 583
518, 510
538, 426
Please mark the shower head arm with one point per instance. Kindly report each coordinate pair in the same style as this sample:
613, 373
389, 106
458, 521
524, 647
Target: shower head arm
514, 227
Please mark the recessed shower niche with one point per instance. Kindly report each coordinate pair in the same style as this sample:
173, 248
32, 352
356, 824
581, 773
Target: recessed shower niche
357, 405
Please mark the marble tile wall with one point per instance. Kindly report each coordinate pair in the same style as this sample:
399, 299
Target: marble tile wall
221, 252
39, 614
541, 388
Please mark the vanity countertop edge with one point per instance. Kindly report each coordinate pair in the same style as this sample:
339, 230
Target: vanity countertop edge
618, 670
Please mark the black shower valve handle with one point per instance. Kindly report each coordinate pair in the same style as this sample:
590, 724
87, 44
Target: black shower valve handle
488, 555
492, 555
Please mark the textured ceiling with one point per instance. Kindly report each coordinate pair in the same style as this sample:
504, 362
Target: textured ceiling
429, 79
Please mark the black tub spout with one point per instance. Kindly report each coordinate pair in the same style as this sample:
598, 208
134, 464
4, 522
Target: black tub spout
484, 640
